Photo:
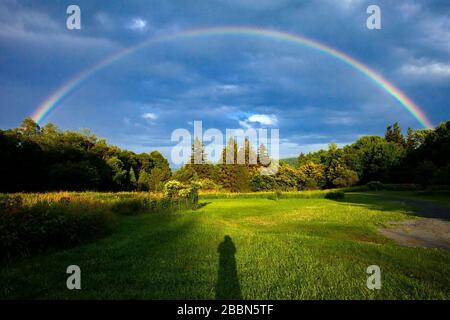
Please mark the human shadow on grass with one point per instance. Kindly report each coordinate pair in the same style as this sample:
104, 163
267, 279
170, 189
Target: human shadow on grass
227, 287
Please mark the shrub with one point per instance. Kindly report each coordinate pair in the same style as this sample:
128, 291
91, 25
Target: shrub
185, 195
207, 185
172, 189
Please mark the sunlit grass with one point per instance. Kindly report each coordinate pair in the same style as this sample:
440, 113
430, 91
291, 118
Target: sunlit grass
285, 249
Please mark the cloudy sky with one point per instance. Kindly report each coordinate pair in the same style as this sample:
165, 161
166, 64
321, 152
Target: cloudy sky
226, 81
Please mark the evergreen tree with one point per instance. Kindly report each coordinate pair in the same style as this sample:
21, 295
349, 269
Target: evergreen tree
263, 156
198, 155
394, 134
388, 135
397, 136
228, 167
198, 163
410, 141
247, 155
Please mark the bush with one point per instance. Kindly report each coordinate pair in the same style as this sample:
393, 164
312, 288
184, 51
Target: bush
27, 229
335, 195
172, 189
185, 195
207, 185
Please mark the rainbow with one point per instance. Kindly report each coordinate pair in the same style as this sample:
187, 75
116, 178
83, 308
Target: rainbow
55, 99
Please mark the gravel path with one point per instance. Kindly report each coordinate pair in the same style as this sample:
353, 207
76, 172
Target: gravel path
432, 231
425, 233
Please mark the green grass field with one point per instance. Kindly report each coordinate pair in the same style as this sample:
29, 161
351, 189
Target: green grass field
441, 197
285, 249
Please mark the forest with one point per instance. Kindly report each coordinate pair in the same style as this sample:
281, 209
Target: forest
38, 159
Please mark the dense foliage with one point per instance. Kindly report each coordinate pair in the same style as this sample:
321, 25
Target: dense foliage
43, 159
423, 157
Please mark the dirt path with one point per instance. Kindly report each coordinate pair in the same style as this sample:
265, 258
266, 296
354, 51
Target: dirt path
432, 231
426, 233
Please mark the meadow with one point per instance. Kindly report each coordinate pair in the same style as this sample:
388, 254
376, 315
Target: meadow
269, 246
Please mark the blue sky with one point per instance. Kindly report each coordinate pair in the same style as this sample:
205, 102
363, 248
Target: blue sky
225, 81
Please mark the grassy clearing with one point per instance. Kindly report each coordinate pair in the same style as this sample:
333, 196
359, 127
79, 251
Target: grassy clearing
284, 249
441, 197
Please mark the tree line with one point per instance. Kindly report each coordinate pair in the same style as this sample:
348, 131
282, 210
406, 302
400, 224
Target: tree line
35, 158
420, 157
45, 159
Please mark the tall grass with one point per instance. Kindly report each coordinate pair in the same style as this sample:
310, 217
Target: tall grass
273, 195
28, 226
35, 222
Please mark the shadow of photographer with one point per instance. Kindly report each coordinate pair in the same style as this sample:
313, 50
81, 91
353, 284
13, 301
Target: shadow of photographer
227, 287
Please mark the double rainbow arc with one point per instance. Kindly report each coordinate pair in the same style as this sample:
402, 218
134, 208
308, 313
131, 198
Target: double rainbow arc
55, 99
